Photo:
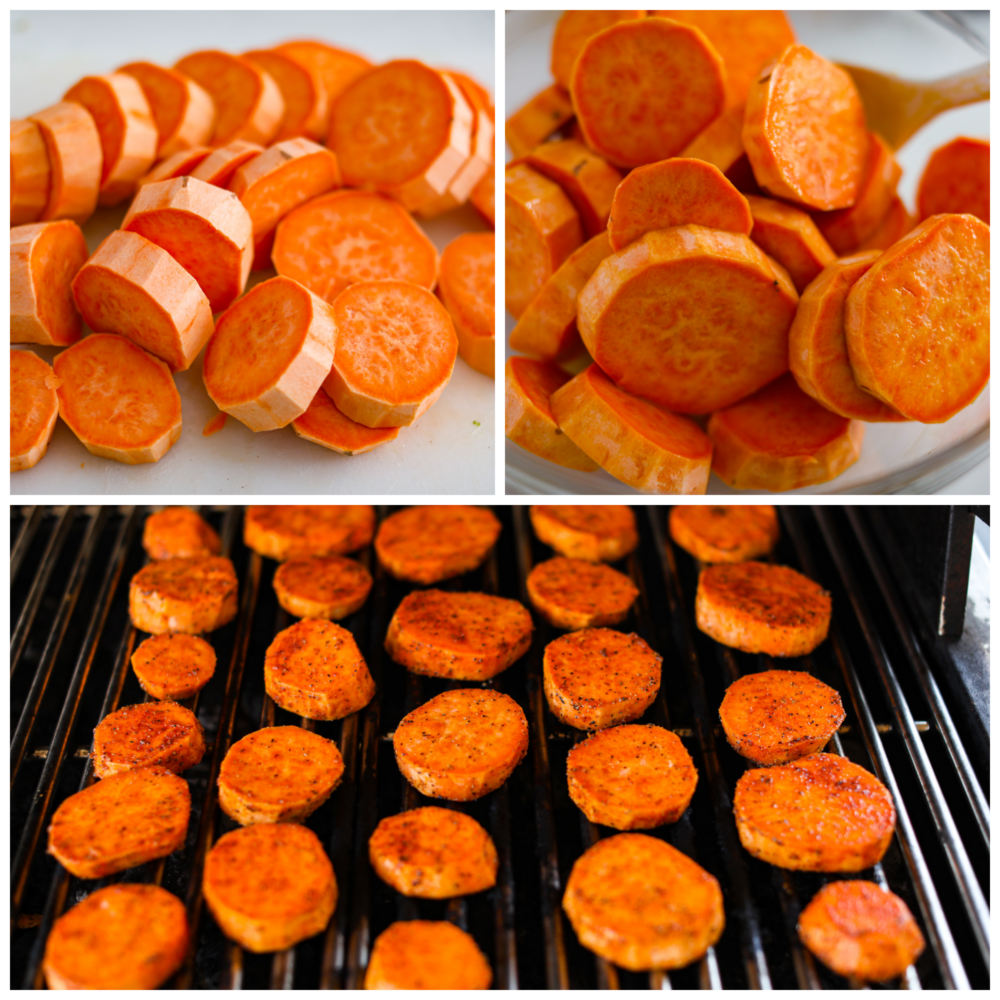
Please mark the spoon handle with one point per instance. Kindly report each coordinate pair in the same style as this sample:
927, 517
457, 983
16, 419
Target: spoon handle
966, 87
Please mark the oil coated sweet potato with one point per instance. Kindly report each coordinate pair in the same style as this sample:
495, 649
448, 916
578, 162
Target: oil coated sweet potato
533, 123
926, 353
575, 594
73, 145
178, 164
29, 173
467, 289
221, 164
894, 225
307, 105
724, 533
721, 144
292, 531
329, 587
956, 179
34, 407
118, 400
173, 665
573, 29
482, 198
179, 533
183, 595
597, 533
160, 733
325, 425
426, 955
791, 237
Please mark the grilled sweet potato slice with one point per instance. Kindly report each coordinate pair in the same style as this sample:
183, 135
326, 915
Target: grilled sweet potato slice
122, 821
270, 885
573, 593
631, 777
322, 586
822, 813
183, 595
426, 955
279, 774
779, 715
156, 732
173, 665
466, 636
642, 904
725, 533
289, 531
761, 608
598, 533
433, 853
462, 744
179, 533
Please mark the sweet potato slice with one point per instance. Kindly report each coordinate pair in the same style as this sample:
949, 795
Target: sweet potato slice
329, 587
221, 164
179, 533
132, 287
461, 745
956, 180
464, 636
596, 678
631, 777
467, 289
861, 931
482, 198
433, 853
126, 127
34, 407
182, 110
535, 121
636, 318
637, 442
269, 885
293, 531
781, 439
762, 608
179, 164
432, 543
642, 90
348, 236
725, 533
173, 665
721, 144
791, 237
529, 421
575, 594
315, 669
183, 595
325, 425
817, 347
925, 353
118, 400
160, 733
642, 904
821, 813
426, 954
121, 937
396, 350
335, 68
269, 354
73, 145
279, 774
307, 106
895, 224
44, 259
779, 715
803, 102
573, 29
123, 821
248, 103
598, 533
29, 173
205, 229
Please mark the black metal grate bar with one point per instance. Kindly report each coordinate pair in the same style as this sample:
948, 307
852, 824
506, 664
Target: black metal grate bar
33, 517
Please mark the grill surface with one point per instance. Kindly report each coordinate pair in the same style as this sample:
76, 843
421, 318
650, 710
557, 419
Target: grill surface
70, 650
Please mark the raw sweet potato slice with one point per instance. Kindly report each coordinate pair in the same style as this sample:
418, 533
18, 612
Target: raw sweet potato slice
118, 400
638, 442
529, 421
426, 954
126, 127
895, 224
269, 885
29, 173
642, 904
672, 193
470, 85
132, 287
183, 595
269, 354
335, 68
542, 228
248, 103
179, 164
467, 289
331, 587
573, 29
205, 229
803, 102
533, 123
34, 407
791, 237
597, 533
160, 733
325, 425
121, 937
817, 347
179, 533
636, 318
307, 107
721, 143
173, 666
575, 594
221, 164
396, 350
44, 260
925, 353
482, 198
73, 145
956, 180
642, 90
292, 531
725, 533
348, 236
183, 111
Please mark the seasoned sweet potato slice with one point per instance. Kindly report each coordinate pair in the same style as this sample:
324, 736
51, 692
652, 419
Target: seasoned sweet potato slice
159, 733
956, 179
179, 533
34, 407
322, 586
642, 904
426, 955
791, 237
821, 813
533, 123
598, 532
183, 595
292, 531
725, 533
574, 593
173, 665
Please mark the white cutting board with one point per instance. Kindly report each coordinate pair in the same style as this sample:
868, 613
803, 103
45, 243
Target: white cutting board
451, 449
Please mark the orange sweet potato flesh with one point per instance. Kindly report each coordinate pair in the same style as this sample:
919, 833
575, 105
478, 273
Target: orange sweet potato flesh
925, 353
150, 733
73, 145
803, 102
817, 348
721, 143
724, 533
29, 173
573, 29
642, 90
307, 107
482, 198
636, 318
533, 123
575, 593
672, 193
791, 237
635, 441
325, 425
335, 68
530, 422
221, 164
604, 533
781, 439
178, 164
331, 587
33, 409
895, 224
183, 595
173, 665
467, 289
292, 531
179, 533
426, 954
957, 179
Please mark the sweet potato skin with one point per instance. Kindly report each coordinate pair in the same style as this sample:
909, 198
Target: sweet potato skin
174, 665
725, 533
426, 954
575, 594
183, 595
597, 533
291, 531
164, 734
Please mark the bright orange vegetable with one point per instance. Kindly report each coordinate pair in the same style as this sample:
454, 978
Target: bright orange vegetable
29, 173
957, 179
335, 68
895, 224
323, 424
791, 237
73, 145
573, 29
467, 289
34, 407
533, 123
482, 198
178, 164
221, 164
307, 106
721, 143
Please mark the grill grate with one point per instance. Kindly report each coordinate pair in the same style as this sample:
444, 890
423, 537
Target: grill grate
70, 651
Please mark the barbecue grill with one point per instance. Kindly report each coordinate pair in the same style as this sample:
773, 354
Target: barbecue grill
70, 651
